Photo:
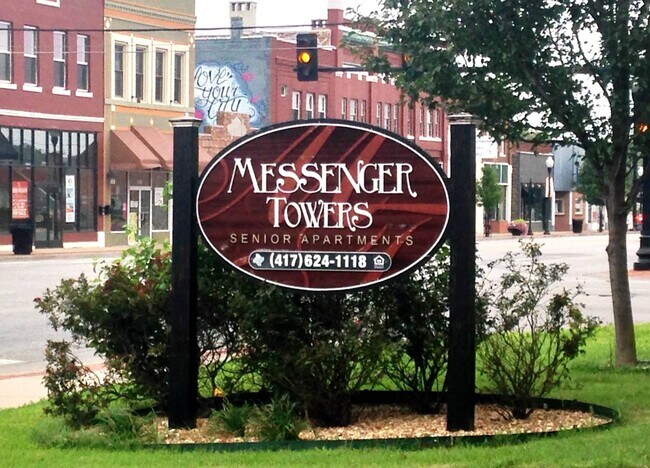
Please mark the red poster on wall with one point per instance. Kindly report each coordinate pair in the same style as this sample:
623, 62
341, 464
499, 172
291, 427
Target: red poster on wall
20, 199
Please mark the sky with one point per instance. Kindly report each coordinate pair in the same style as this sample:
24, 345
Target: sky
215, 13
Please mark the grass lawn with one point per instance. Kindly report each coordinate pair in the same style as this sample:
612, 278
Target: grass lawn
594, 380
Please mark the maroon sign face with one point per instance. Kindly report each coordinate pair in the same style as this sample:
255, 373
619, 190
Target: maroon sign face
323, 206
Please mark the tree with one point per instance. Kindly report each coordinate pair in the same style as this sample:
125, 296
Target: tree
564, 71
489, 192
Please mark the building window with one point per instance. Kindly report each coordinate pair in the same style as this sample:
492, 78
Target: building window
353, 109
60, 54
5, 51
52, 162
159, 79
387, 116
437, 132
559, 206
421, 121
501, 171
322, 106
362, 111
118, 73
309, 106
295, 105
31, 55
159, 211
83, 62
429, 127
283, 90
409, 120
344, 108
179, 66
378, 114
140, 62
395, 118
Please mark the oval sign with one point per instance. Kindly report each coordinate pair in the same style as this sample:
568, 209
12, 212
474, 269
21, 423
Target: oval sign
326, 205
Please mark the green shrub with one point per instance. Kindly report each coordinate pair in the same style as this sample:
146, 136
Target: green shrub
123, 425
537, 329
232, 419
124, 316
278, 420
318, 348
417, 320
73, 389
416, 309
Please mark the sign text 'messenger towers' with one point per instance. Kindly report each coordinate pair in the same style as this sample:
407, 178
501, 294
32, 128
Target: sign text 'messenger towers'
323, 206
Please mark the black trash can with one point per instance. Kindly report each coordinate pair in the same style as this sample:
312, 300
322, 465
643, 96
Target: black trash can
22, 237
577, 226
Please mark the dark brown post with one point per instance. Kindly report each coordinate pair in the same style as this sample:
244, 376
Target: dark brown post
184, 358
462, 295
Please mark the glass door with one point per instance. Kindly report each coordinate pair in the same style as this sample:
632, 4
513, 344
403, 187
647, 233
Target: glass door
140, 211
48, 207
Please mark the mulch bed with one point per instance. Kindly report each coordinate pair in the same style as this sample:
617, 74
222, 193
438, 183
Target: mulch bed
395, 421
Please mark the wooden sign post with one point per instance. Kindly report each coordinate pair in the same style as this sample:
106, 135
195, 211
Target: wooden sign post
184, 354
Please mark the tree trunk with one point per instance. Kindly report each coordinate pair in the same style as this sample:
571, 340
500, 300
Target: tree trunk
618, 277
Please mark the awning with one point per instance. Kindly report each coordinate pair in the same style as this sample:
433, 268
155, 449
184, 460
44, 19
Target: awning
130, 153
143, 148
159, 143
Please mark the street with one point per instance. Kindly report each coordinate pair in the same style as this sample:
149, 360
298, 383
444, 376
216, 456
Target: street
587, 260
24, 332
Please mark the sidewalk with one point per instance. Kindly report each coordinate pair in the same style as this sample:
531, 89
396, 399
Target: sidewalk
114, 251
22, 389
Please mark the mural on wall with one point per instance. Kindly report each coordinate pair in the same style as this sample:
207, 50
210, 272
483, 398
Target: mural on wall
225, 88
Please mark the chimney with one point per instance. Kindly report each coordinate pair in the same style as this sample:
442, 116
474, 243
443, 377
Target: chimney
236, 23
335, 17
246, 12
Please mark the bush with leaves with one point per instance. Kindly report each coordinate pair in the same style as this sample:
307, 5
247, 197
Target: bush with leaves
537, 329
124, 315
231, 419
317, 348
416, 309
278, 420
417, 320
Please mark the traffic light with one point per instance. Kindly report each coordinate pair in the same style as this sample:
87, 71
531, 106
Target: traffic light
307, 57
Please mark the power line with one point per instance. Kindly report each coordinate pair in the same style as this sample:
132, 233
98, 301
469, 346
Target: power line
189, 29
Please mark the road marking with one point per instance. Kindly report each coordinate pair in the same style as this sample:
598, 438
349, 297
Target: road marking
6, 362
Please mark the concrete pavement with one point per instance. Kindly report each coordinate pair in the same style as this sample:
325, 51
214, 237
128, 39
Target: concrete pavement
19, 390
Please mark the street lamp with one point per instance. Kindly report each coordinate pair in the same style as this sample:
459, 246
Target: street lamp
643, 253
546, 207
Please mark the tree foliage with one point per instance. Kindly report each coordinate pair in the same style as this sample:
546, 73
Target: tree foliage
488, 191
562, 71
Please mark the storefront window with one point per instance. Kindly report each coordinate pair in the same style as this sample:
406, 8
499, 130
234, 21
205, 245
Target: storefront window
62, 192
87, 205
5, 199
160, 210
119, 201
40, 148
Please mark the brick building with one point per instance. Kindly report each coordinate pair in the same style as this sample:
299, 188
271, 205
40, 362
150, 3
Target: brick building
252, 72
51, 119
